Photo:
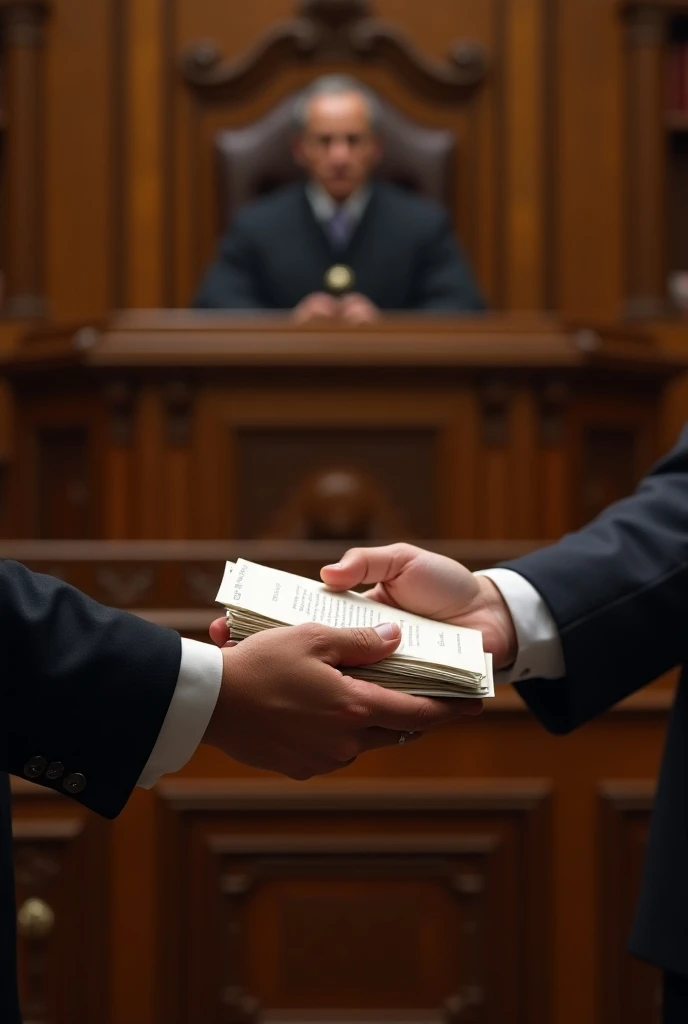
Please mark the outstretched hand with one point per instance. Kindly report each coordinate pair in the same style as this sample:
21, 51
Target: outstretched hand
285, 705
432, 585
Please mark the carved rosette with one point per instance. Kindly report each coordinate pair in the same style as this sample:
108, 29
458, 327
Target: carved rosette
337, 30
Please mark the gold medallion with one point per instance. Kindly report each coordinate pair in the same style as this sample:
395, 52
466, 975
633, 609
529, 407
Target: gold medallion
339, 279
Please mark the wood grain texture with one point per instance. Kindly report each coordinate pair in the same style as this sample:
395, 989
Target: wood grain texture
218, 426
80, 158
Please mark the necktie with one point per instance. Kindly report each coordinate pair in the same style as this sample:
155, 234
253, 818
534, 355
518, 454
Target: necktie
339, 229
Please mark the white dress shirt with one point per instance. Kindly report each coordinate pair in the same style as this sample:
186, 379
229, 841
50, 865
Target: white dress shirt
200, 674
539, 648
324, 207
189, 713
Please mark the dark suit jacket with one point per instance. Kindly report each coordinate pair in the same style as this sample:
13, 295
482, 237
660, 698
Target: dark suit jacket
84, 691
404, 255
618, 591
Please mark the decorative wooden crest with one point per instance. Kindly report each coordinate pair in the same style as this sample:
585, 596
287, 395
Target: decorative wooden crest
337, 30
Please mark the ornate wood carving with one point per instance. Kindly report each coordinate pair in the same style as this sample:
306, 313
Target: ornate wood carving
495, 412
125, 588
338, 30
201, 585
338, 503
178, 401
119, 401
553, 402
21, 29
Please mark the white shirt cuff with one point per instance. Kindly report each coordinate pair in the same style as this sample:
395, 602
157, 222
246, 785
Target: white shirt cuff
540, 654
189, 713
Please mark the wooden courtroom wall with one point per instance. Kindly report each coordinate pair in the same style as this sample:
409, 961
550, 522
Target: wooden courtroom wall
540, 839
547, 224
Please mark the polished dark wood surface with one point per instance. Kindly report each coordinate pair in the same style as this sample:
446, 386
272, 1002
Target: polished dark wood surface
167, 425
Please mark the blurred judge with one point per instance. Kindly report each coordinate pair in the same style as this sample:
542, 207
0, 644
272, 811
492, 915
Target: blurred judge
339, 245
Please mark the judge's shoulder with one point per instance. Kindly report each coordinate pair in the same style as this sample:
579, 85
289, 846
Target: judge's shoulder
262, 211
409, 204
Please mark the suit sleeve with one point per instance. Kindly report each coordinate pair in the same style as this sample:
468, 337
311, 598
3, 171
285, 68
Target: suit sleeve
233, 280
84, 689
618, 591
444, 279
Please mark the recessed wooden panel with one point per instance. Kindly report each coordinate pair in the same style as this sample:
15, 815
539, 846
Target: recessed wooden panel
290, 899
61, 883
281, 473
610, 468
65, 489
631, 989
354, 936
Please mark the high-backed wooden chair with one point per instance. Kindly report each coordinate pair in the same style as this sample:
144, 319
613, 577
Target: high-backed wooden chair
226, 156
256, 159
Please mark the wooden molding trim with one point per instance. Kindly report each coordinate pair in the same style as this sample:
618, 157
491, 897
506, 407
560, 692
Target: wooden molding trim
184, 795
47, 830
628, 795
25, 790
337, 29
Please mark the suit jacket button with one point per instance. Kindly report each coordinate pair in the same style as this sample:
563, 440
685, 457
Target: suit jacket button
55, 770
34, 767
74, 782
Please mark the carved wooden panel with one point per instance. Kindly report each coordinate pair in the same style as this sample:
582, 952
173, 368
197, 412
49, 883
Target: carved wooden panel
373, 899
61, 885
610, 461
65, 505
273, 444
631, 990
616, 445
328, 483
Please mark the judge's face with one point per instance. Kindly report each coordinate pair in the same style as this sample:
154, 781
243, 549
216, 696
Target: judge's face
338, 149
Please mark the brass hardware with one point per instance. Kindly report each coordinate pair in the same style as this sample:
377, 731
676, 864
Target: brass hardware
35, 919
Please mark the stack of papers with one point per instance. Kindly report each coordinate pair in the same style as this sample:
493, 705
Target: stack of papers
433, 659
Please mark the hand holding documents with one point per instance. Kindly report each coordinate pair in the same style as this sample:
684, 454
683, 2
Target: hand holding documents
434, 659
